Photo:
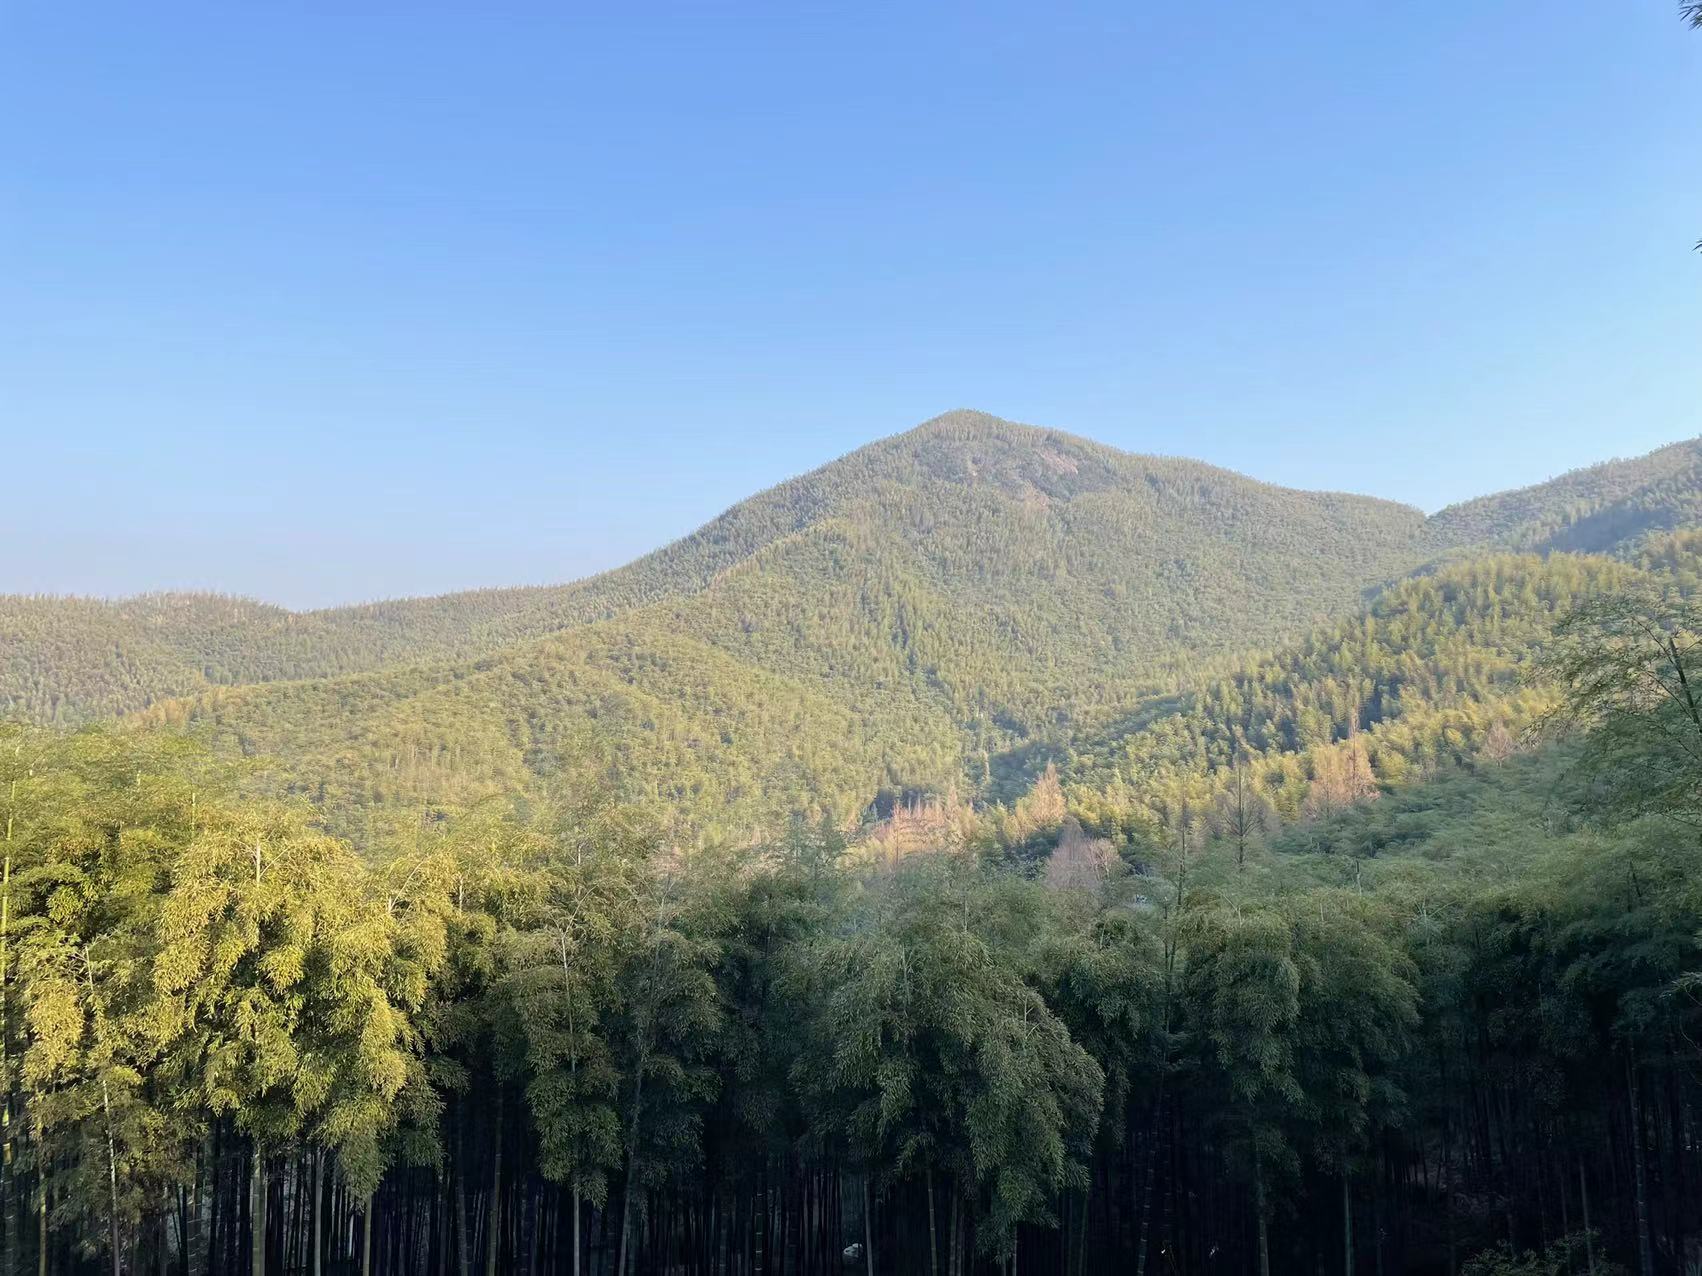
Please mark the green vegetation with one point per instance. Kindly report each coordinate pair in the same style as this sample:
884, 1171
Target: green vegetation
1431, 674
940, 613
1605, 508
1453, 1024
1042, 534
1428, 675
989, 850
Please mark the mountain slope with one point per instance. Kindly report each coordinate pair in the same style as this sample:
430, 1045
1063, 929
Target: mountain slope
1606, 508
921, 605
1177, 536
981, 502
900, 618
1424, 677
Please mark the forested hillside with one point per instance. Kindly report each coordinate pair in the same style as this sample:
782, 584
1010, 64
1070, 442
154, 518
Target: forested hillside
1606, 508
1450, 1029
937, 613
1433, 674
1079, 554
1012, 517
737, 729
991, 847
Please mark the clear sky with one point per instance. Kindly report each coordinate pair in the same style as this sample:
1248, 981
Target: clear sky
323, 302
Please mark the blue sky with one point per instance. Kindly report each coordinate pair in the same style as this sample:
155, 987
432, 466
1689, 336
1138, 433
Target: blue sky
327, 302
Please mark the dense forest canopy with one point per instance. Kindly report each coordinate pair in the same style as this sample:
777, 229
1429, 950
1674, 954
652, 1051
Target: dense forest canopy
988, 850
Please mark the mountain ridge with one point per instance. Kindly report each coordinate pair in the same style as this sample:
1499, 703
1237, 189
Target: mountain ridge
892, 620
152, 646
1690, 449
957, 422
1656, 492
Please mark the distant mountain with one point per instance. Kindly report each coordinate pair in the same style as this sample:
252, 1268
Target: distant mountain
898, 619
1607, 508
1172, 522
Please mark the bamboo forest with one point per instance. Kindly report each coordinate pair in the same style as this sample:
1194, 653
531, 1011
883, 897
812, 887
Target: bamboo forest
1453, 1028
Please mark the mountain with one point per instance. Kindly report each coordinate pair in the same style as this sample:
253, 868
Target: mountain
1607, 508
964, 491
906, 619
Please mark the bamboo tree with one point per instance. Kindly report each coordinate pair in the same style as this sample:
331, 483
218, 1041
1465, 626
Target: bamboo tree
671, 1008
561, 962
19, 772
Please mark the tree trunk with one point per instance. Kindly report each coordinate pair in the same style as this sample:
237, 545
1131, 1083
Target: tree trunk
493, 1217
1259, 1209
12, 1252
1146, 1187
1589, 1239
1447, 1171
868, 1230
366, 1237
1347, 1224
1645, 1252
578, 1209
531, 1229
933, 1235
1084, 1228
631, 1167
257, 1212
1377, 1222
112, 1188
192, 1230
463, 1242
954, 1260
316, 1215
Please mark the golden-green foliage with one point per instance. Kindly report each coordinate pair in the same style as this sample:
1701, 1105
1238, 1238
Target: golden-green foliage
939, 612
206, 999
1433, 673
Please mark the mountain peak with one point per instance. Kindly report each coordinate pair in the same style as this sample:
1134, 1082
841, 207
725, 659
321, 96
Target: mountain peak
965, 421
963, 426
1042, 542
